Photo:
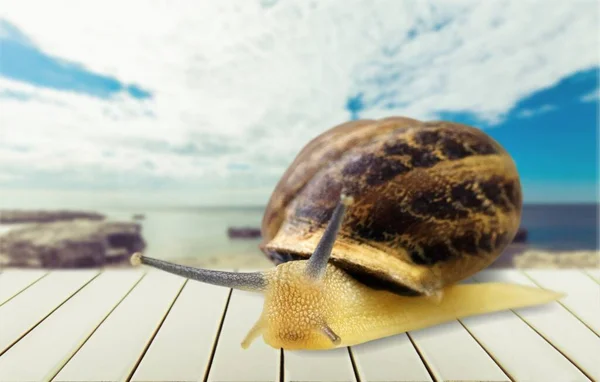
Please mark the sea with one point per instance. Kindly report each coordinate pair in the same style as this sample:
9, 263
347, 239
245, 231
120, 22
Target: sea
187, 232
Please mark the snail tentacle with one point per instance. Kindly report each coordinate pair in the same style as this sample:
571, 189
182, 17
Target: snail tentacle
253, 281
317, 263
256, 331
335, 339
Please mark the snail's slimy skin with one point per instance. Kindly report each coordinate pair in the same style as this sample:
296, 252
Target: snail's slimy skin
297, 310
302, 311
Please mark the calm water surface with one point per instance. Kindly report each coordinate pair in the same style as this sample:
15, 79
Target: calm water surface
178, 233
203, 232
190, 232
562, 227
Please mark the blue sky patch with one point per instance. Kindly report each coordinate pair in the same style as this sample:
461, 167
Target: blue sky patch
355, 105
551, 134
22, 61
555, 145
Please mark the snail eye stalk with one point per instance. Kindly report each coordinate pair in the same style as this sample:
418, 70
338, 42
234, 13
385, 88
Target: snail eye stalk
335, 339
317, 263
254, 281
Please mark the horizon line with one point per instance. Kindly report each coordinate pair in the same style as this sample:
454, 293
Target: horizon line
252, 207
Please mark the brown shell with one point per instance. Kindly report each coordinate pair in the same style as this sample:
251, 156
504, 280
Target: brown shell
435, 202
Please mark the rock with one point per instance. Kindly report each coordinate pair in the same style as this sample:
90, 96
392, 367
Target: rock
506, 258
138, 217
72, 244
28, 216
243, 233
521, 236
535, 258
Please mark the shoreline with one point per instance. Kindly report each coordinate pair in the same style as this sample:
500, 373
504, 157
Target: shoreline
527, 259
516, 257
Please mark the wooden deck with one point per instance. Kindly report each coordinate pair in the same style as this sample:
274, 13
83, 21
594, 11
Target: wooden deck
145, 325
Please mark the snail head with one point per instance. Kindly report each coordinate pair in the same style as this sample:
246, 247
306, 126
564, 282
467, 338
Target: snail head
303, 299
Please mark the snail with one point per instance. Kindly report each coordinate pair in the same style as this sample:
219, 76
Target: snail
372, 228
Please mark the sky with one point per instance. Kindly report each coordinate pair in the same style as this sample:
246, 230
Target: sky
207, 103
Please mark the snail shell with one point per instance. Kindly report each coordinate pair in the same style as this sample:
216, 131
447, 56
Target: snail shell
435, 202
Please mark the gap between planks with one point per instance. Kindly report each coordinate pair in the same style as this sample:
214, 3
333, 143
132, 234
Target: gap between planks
19, 289
114, 349
576, 310
498, 363
155, 332
421, 357
536, 319
52, 310
259, 362
357, 374
353, 362
54, 373
584, 372
282, 357
545, 337
217, 337
593, 273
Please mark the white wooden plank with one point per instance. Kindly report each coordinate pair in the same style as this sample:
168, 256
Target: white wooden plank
582, 293
445, 347
115, 348
181, 350
556, 324
522, 353
16, 280
594, 273
389, 359
315, 366
40, 354
28, 308
453, 355
259, 362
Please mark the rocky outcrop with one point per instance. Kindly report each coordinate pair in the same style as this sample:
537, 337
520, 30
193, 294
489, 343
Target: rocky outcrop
521, 236
243, 233
552, 259
23, 216
72, 244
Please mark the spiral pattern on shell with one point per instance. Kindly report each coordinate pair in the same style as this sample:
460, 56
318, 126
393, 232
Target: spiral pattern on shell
435, 202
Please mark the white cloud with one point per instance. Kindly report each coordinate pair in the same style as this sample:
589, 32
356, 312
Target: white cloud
528, 113
592, 96
262, 81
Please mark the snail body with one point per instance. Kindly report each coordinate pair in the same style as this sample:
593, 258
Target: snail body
340, 311
372, 227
